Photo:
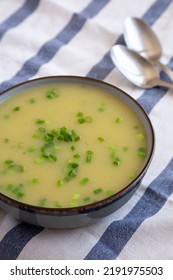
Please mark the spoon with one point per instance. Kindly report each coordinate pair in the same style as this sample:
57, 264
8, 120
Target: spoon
140, 37
136, 68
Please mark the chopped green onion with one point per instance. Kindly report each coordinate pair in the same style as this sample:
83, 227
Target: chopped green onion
39, 160
101, 139
19, 194
89, 156
84, 181
60, 182
18, 168
11, 165
15, 109
119, 120
140, 136
81, 120
133, 175
9, 162
41, 129
74, 204
67, 135
35, 181
39, 121
101, 107
36, 136
16, 190
116, 161
31, 149
32, 100
97, 191
112, 147
42, 202
76, 156
79, 114
49, 136
52, 94
10, 187
58, 205
141, 152
88, 119
72, 148
125, 149
72, 170
109, 193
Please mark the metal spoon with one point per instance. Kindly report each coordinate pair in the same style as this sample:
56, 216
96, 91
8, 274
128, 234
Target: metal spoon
140, 37
136, 68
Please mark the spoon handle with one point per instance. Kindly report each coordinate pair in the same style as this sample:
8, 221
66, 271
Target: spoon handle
164, 84
166, 70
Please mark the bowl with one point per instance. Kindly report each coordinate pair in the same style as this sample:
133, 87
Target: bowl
78, 216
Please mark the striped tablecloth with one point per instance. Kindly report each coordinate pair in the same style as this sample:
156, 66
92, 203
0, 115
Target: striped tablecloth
70, 37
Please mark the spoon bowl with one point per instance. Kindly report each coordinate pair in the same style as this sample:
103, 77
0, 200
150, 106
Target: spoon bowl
136, 68
141, 38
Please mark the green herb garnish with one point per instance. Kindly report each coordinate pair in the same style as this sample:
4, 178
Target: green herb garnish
60, 182
39, 121
79, 114
101, 139
58, 205
42, 202
86, 199
11, 165
117, 161
84, 181
141, 152
31, 149
16, 190
89, 156
109, 193
84, 119
35, 181
76, 156
16, 109
140, 136
119, 120
97, 191
51, 94
39, 160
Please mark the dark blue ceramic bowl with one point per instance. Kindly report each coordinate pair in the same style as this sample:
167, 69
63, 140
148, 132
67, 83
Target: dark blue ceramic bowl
91, 213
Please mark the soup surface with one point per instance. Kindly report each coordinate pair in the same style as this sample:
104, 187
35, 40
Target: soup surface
66, 145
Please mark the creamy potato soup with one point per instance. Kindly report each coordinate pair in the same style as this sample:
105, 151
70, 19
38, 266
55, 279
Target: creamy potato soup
66, 145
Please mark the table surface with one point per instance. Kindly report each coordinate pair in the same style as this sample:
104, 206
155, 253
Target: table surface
53, 37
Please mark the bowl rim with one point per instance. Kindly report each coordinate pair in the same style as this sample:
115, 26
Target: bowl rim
101, 203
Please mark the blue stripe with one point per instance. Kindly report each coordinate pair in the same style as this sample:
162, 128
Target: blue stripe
19, 16
105, 65
50, 48
119, 232
15, 240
